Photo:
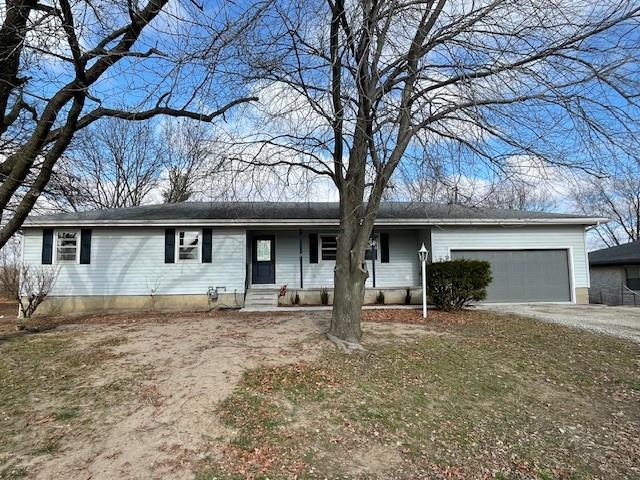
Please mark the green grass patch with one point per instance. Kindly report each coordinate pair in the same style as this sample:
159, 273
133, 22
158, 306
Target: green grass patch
12, 472
47, 447
255, 417
67, 413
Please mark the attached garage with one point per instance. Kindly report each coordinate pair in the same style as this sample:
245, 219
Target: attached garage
525, 275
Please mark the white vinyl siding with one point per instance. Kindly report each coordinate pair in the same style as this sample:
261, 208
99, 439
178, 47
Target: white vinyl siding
130, 261
403, 269
317, 275
288, 259
445, 239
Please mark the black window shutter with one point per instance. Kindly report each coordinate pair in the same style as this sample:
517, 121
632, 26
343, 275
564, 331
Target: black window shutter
169, 245
384, 247
313, 248
206, 245
85, 246
47, 246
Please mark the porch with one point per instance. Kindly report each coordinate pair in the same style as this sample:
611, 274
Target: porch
304, 259
293, 266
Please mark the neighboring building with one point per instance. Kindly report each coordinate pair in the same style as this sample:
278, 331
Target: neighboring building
209, 254
615, 275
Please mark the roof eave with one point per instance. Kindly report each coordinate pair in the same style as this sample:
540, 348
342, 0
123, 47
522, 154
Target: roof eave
614, 263
586, 221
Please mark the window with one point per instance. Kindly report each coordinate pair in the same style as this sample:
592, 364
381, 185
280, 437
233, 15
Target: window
633, 278
372, 249
67, 247
263, 250
329, 247
188, 245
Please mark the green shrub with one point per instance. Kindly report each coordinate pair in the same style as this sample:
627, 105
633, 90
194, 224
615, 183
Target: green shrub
454, 284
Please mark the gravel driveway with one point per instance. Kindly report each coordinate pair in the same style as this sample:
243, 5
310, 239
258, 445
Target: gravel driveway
621, 322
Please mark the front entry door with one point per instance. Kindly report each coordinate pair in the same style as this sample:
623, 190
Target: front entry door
264, 260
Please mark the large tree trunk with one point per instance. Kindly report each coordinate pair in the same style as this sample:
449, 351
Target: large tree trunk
348, 295
349, 277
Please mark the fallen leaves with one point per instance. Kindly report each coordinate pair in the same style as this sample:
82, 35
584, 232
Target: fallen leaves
258, 462
414, 317
152, 396
503, 398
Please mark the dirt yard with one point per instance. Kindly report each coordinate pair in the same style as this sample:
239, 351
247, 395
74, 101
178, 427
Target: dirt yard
132, 396
176, 371
228, 395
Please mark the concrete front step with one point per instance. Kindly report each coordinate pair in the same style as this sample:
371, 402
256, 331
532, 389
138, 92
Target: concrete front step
263, 296
261, 302
261, 299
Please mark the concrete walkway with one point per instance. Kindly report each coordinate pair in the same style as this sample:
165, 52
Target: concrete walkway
623, 322
315, 308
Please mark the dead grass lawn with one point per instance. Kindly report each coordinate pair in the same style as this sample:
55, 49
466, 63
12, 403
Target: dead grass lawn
229, 396
496, 397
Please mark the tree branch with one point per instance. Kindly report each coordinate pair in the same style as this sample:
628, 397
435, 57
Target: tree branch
100, 112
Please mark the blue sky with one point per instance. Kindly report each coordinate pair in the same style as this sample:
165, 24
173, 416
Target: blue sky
184, 33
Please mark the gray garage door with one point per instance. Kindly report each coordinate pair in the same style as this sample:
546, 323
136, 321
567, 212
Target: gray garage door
524, 275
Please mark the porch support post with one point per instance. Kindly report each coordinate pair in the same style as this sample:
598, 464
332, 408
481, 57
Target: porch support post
300, 251
374, 252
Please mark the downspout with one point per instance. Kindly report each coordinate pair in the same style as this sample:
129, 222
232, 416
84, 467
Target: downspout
20, 274
591, 227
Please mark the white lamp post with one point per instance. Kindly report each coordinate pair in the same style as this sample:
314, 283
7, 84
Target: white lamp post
423, 253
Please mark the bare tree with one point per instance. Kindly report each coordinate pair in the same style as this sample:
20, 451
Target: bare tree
10, 267
517, 194
615, 195
64, 65
111, 164
424, 179
349, 88
27, 285
36, 281
429, 181
189, 159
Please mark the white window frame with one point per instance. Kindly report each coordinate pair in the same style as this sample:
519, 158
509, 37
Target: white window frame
56, 260
329, 235
322, 237
198, 249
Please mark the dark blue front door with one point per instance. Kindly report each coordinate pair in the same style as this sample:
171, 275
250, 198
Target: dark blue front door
263, 260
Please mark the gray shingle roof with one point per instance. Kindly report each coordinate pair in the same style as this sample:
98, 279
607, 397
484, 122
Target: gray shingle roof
239, 211
628, 254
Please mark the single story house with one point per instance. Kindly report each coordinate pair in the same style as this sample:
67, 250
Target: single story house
615, 275
218, 254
